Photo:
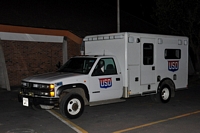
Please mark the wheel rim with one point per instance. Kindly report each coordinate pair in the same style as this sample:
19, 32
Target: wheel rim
165, 94
74, 106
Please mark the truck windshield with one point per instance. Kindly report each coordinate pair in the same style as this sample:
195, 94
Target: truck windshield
78, 65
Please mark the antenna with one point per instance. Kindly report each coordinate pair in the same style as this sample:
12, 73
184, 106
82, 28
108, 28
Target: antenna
104, 52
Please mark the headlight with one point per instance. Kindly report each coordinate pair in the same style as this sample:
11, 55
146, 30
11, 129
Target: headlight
47, 86
24, 84
38, 85
44, 86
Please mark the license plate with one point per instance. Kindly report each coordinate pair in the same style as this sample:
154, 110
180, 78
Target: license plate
25, 101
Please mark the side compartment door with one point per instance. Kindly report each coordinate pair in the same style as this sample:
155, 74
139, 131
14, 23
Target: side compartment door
133, 59
105, 82
147, 61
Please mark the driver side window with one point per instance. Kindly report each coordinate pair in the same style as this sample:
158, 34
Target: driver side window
105, 66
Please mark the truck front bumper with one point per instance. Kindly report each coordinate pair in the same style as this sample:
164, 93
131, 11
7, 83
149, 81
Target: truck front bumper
39, 100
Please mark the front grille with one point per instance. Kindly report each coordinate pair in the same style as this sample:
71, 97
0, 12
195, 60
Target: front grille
35, 89
35, 92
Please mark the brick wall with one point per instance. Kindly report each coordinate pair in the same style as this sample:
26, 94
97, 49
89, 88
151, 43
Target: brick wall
24, 59
73, 48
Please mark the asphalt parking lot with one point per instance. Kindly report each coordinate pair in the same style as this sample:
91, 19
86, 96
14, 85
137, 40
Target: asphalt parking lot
135, 115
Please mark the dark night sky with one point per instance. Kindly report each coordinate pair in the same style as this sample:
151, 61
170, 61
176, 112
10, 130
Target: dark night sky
142, 9
51, 13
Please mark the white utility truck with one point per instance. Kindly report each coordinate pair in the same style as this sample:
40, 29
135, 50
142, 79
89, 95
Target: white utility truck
113, 67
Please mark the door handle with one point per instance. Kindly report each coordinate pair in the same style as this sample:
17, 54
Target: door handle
117, 79
153, 67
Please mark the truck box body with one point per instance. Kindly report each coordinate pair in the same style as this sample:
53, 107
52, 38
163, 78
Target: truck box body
145, 59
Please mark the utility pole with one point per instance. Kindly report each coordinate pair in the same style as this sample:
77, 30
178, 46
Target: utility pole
118, 16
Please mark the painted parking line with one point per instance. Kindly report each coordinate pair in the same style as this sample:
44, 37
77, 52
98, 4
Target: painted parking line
67, 122
157, 122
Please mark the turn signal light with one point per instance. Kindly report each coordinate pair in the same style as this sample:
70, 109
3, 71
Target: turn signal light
52, 86
52, 94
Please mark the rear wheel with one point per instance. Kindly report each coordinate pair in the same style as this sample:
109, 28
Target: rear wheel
164, 93
72, 105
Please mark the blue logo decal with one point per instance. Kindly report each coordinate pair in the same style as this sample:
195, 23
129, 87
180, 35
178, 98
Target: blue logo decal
59, 84
105, 82
173, 65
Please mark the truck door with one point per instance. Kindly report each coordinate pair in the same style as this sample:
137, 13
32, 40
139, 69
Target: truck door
147, 61
105, 82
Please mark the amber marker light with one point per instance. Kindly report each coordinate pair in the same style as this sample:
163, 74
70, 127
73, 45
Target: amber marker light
52, 86
52, 94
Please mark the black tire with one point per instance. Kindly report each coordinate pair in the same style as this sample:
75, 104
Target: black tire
36, 107
72, 106
164, 93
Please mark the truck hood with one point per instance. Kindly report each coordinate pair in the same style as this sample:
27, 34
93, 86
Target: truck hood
50, 77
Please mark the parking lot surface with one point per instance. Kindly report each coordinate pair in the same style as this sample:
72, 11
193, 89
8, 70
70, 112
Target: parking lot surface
140, 114
135, 115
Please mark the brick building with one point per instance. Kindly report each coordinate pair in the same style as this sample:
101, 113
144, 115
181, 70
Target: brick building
25, 55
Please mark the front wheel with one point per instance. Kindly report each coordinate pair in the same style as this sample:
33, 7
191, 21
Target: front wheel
72, 106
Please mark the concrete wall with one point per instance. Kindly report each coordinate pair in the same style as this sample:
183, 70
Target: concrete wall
24, 58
